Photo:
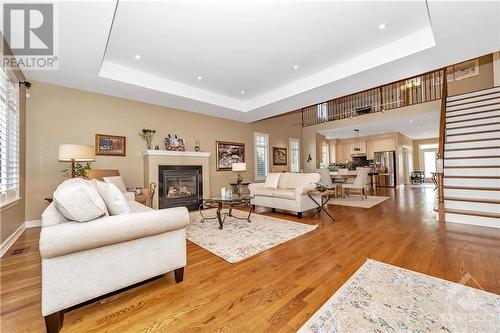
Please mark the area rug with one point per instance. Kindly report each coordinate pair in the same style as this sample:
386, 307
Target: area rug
239, 239
385, 298
354, 200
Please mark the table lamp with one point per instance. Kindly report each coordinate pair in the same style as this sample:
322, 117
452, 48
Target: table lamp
239, 167
76, 153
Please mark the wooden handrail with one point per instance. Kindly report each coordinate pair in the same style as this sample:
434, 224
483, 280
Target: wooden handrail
418, 89
442, 139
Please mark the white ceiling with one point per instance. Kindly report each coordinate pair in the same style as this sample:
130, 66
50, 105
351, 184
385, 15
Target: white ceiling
253, 46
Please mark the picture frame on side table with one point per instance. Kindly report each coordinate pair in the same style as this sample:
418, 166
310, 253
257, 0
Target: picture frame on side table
280, 156
110, 145
229, 153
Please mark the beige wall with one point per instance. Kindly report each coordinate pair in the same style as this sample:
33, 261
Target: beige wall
11, 217
58, 115
482, 81
280, 129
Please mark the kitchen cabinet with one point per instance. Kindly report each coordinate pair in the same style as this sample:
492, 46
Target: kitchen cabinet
370, 153
384, 145
361, 145
343, 153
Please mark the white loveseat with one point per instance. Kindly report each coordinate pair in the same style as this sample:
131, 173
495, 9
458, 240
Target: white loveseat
288, 193
85, 260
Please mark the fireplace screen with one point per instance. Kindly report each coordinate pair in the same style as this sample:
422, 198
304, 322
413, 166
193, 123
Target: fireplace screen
180, 186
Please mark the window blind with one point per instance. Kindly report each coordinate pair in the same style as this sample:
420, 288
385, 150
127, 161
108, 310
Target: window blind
9, 138
261, 155
294, 154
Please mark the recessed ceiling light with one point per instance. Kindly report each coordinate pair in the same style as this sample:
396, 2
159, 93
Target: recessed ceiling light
382, 26
296, 67
411, 120
243, 92
200, 78
138, 57
418, 127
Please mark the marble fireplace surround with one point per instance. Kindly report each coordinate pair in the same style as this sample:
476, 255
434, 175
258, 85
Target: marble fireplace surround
154, 158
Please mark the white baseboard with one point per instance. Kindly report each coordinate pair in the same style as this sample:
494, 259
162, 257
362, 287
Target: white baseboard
5, 246
33, 223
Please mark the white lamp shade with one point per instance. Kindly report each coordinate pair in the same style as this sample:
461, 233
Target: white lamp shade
79, 153
239, 167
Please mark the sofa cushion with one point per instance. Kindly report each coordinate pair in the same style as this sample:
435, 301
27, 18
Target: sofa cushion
113, 197
79, 201
263, 192
272, 180
283, 183
117, 180
137, 207
70, 237
284, 193
52, 216
293, 180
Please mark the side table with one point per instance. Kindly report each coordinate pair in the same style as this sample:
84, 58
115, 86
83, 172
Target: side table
325, 197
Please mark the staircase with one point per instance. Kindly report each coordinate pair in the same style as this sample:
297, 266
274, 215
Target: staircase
471, 181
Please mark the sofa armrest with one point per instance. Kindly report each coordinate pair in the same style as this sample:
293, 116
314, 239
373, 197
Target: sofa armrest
254, 186
302, 189
70, 237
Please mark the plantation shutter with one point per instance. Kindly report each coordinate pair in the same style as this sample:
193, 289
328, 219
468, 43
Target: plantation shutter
261, 155
9, 138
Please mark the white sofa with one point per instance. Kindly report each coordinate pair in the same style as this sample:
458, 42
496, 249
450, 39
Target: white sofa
289, 194
82, 261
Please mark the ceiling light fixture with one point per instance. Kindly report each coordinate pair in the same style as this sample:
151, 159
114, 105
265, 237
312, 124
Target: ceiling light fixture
138, 57
382, 26
418, 127
411, 120
243, 92
296, 67
200, 78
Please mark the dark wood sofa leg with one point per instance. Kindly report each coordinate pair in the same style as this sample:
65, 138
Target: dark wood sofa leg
179, 274
273, 210
54, 321
299, 215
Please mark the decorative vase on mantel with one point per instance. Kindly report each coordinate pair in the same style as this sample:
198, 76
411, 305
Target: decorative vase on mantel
147, 134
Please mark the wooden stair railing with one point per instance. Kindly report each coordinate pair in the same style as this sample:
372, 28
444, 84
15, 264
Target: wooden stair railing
440, 154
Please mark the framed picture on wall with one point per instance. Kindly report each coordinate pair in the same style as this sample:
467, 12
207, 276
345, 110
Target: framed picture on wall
229, 153
280, 156
110, 145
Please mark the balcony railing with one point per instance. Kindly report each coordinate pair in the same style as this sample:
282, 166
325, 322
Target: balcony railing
415, 90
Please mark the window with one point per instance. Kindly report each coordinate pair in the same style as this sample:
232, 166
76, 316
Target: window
261, 154
325, 155
429, 146
323, 111
9, 139
294, 154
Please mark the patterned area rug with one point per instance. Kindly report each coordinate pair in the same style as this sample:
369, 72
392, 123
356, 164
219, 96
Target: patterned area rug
385, 298
239, 239
354, 200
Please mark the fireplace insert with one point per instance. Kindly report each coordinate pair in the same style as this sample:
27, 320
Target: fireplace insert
180, 185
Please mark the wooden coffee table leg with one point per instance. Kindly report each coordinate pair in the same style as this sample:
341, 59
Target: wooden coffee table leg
219, 218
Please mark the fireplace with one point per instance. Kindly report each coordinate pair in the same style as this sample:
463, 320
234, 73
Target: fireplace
180, 185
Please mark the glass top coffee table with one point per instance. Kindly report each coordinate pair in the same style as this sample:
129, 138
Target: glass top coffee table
235, 201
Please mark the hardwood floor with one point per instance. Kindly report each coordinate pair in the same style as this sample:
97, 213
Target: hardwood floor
274, 291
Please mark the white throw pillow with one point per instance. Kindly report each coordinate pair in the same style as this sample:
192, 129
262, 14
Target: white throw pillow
113, 198
79, 201
118, 181
272, 180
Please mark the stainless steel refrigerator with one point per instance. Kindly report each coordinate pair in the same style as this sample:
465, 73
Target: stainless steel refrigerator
386, 161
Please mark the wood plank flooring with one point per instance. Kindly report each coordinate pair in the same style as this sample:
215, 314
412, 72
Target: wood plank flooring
274, 291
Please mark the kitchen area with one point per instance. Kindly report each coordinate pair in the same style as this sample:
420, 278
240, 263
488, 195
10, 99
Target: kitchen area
388, 158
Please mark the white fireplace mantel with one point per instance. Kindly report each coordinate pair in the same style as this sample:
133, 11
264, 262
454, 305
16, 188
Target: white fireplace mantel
151, 152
